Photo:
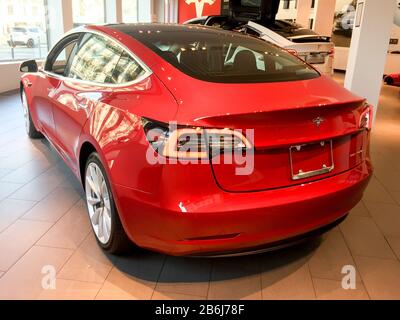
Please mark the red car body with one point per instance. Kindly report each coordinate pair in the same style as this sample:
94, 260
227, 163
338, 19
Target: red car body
205, 209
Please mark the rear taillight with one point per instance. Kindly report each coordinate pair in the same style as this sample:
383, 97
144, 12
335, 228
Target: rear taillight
193, 143
332, 52
366, 118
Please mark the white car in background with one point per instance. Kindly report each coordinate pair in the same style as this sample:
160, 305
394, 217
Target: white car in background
308, 45
315, 49
27, 36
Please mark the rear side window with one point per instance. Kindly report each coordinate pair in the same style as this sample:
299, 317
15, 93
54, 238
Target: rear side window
95, 60
127, 70
225, 57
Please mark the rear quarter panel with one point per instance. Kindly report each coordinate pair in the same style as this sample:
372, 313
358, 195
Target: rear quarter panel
115, 129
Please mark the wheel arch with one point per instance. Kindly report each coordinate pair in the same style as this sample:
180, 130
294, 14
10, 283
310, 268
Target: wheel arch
86, 150
21, 89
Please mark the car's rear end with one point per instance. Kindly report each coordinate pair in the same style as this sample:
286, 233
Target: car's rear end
313, 48
256, 156
319, 52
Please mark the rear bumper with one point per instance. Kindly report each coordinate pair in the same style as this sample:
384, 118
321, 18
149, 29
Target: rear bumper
278, 245
237, 222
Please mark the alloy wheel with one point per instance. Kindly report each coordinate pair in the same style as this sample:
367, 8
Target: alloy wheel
98, 202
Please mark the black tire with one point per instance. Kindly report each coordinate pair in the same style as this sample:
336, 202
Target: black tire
119, 242
30, 43
389, 81
31, 130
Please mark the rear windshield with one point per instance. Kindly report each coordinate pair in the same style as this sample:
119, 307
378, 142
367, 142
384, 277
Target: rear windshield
225, 57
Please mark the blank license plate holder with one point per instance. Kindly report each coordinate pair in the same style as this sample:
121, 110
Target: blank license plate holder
310, 160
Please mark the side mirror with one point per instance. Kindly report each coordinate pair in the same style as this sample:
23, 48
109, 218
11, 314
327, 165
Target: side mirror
29, 66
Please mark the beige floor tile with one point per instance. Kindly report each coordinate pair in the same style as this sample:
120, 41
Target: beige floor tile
27, 172
396, 196
387, 217
88, 263
289, 280
40, 187
333, 290
133, 278
381, 277
174, 296
18, 239
4, 172
8, 188
360, 210
394, 243
185, 276
330, 257
377, 193
74, 183
236, 278
70, 231
387, 176
16, 160
364, 238
54, 206
239, 288
24, 279
71, 290
282, 275
11, 210
120, 286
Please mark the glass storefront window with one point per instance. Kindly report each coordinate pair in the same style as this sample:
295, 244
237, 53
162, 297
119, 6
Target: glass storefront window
23, 30
88, 12
130, 11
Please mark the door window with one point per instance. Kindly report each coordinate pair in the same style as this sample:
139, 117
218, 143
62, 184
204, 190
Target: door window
58, 59
95, 59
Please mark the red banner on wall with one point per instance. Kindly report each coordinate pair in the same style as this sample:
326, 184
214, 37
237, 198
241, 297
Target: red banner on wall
189, 9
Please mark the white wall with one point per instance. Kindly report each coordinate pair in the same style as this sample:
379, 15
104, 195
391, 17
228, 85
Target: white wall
9, 76
324, 15
367, 62
145, 10
303, 12
111, 11
287, 14
392, 63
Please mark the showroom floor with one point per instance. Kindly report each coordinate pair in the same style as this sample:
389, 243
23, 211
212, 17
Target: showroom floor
44, 227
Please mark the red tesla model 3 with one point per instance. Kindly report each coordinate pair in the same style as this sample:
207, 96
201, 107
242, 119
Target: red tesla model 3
196, 141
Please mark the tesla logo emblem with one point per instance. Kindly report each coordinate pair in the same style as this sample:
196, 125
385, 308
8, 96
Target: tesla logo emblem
318, 121
200, 5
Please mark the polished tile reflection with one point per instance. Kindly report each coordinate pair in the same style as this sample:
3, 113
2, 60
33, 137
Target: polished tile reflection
43, 221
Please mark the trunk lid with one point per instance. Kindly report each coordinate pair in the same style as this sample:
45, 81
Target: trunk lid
318, 115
